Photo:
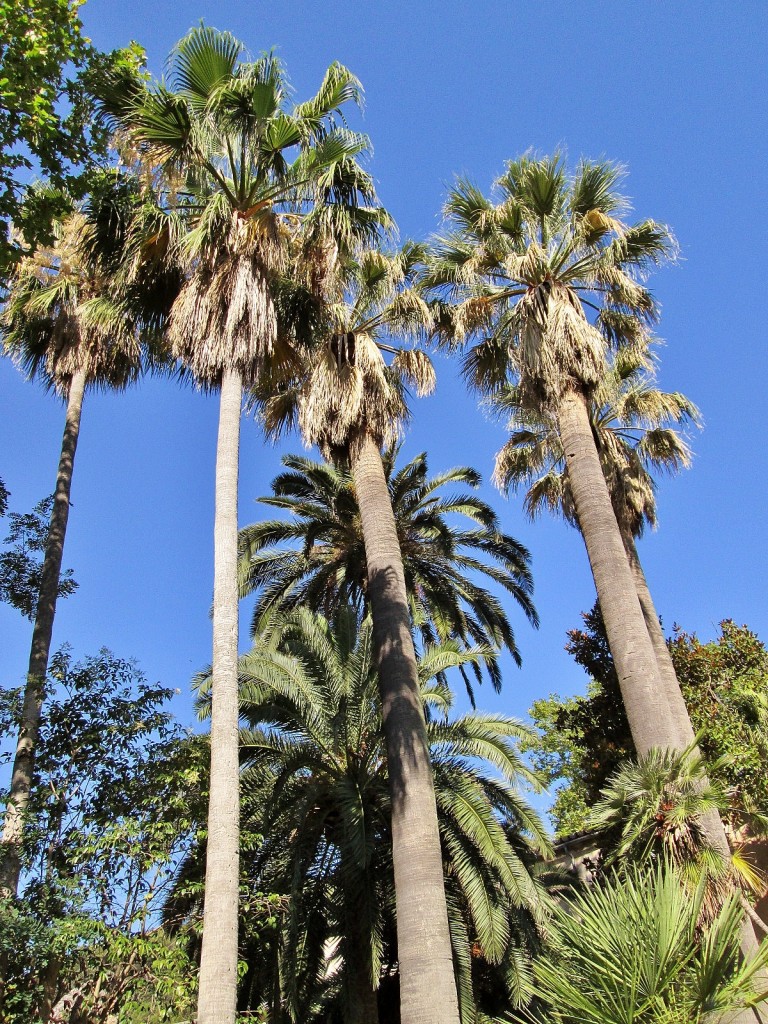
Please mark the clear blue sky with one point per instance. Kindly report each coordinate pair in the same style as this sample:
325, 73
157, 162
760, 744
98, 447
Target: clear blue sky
677, 92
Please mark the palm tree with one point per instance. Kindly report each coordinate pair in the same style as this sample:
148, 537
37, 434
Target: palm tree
352, 402
317, 556
635, 427
67, 323
223, 135
632, 949
548, 280
315, 778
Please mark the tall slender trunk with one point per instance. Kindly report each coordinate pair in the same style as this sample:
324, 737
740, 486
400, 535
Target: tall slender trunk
29, 729
217, 1000
427, 983
654, 718
647, 708
669, 681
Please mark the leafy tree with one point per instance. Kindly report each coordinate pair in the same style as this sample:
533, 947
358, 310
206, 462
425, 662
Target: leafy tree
47, 123
21, 562
631, 950
240, 169
317, 556
118, 798
586, 738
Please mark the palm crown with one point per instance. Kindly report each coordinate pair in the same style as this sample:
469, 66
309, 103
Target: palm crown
548, 275
635, 429
242, 172
348, 387
324, 565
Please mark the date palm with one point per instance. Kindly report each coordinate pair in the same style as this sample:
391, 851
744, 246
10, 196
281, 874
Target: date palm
316, 557
636, 430
70, 325
315, 777
545, 281
351, 403
243, 171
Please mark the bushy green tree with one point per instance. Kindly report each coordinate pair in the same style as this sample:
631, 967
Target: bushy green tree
585, 739
118, 798
47, 125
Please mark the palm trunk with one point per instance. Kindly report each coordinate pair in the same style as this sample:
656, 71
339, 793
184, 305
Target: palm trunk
427, 984
29, 729
645, 702
669, 681
362, 1004
711, 821
217, 1000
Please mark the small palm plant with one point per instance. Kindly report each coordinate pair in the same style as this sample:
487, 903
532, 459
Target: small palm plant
632, 951
655, 809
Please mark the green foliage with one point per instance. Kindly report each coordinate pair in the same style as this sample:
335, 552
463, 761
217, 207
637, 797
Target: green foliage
629, 952
117, 802
47, 126
21, 564
585, 739
725, 685
450, 542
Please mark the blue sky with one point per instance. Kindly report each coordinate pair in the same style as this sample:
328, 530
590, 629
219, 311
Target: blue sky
677, 92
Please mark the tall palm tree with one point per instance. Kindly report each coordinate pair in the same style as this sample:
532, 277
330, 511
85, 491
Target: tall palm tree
317, 556
243, 170
546, 280
68, 324
352, 401
315, 780
636, 431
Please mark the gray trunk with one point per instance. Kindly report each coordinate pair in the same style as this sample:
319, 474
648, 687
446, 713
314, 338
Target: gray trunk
217, 998
645, 702
427, 984
24, 760
679, 712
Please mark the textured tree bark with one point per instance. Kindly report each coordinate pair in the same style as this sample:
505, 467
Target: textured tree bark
217, 999
669, 681
427, 984
24, 760
645, 702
